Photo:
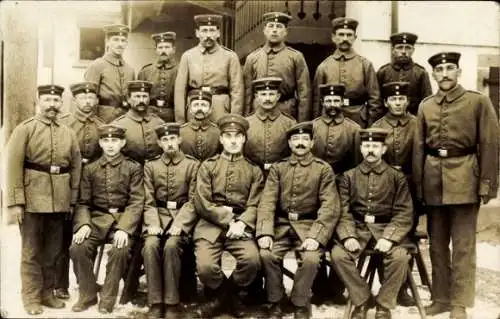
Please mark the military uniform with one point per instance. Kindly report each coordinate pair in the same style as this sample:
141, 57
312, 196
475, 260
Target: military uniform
411, 72
162, 74
112, 74
43, 174
217, 67
455, 160
299, 201
111, 199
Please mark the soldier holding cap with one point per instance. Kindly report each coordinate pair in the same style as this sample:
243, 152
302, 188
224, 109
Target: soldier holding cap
377, 213
200, 136
228, 189
83, 121
111, 73
43, 173
299, 209
403, 69
169, 216
457, 138
362, 96
266, 137
213, 65
279, 60
110, 207
162, 74
140, 124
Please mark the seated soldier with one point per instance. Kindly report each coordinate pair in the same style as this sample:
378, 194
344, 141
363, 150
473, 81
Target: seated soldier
228, 189
110, 207
169, 216
377, 213
299, 209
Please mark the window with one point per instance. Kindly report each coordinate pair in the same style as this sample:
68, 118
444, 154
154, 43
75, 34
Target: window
92, 43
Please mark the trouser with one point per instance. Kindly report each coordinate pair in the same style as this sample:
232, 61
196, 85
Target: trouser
83, 256
41, 238
272, 261
109, 113
395, 272
62, 264
453, 273
163, 264
208, 261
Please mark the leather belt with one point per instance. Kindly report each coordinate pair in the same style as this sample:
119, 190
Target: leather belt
215, 90
170, 204
113, 102
236, 210
51, 169
450, 152
301, 216
371, 219
109, 210
354, 101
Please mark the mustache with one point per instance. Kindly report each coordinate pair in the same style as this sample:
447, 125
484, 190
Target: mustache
55, 109
370, 154
300, 146
445, 79
141, 104
344, 42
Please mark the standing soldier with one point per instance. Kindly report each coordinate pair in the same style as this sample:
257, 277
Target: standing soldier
110, 208
209, 64
43, 173
200, 136
362, 96
403, 69
298, 210
162, 74
112, 73
85, 124
228, 189
277, 59
169, 216
455, 168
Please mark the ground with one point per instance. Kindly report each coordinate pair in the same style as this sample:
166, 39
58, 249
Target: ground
487, 283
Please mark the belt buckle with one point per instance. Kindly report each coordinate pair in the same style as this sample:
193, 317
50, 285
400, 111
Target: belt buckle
442, 152
85, 160
54, 169
370, 219
267, 166
171, 205
346, 102
113, 210
293, 216
160, 102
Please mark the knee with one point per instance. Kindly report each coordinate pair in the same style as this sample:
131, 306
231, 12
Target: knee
151, 246
268, 257
207, 269
172, 245
251, 260
118, 253
338, 255
399, 256
76, 251
311, 259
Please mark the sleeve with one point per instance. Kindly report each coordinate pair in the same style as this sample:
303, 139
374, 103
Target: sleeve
130, 219
247, 81
249, 216
418, 155
402, 211
267, 206
488, 148
303, 89
346, 227
181, 82
329, 210
235, 84
82, 212
204, 206
151, 216
76, 168
187, 217
357, 156
318, 80
93, 74
375, 109
425, 86
15, 166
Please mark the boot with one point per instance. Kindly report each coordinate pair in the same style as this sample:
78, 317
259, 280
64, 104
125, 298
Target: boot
360, 311
33, 309
382, 313
404, 299
82, 305
302, 313
212, 307
61, 293
458, 312
275, 312
50, 301
436, 308
155, 311
173, 312
236, 306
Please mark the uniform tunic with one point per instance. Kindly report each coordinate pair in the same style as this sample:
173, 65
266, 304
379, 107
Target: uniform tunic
217, 67
200, 139
360, 80
289, 65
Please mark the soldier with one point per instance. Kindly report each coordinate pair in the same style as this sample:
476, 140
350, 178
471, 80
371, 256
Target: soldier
228, 189
377, 213
455, 168
110, 208
277, 59
200, 136
266, 136
169, 216
84, 123
362, 96
403, 69
298, 210
112, 73
162, 74
209, 64
43, 173
140, 123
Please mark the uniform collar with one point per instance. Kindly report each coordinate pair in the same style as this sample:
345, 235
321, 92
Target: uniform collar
199, 125
230, 157
136, 117
46, 121
203, 50
271, 114
103, 161
303, 161
337, 55
366, 168
174, 160
166, 65
267, 48
113, 59
397, 120
83, 117
338, 119
450, 96
404, 66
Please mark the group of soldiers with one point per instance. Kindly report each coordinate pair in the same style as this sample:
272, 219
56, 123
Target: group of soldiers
255, 161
